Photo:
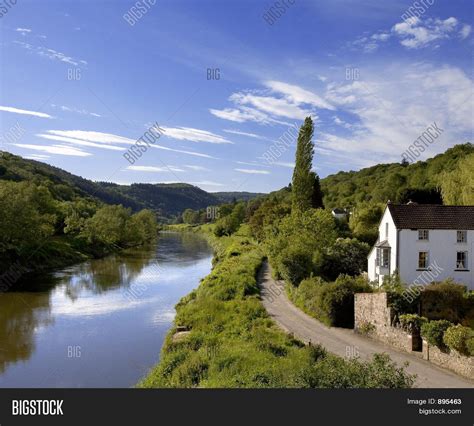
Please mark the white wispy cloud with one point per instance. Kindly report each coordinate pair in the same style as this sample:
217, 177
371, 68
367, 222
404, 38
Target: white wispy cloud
251, 163
79, 142
250, 135
23, 31
284, 164
154, 169
465, 31
253, 171
194, 135
76, 110
55, 149
197, 168
392, 108
25, 112
51, 54
297, 95
207, 183
279, 100
93, 136
242, 115
38, 157
416, 33
196, 154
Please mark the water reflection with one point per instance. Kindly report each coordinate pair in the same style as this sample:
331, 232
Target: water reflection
96, 305
20, 316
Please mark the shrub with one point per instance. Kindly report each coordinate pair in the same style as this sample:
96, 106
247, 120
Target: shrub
433, 331
401, 304
412, 322
366, 328
444, 301
456, 337
331, 303
295, 265
347, 256
470, 346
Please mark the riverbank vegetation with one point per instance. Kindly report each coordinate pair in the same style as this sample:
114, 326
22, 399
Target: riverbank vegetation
223, 337
41, 229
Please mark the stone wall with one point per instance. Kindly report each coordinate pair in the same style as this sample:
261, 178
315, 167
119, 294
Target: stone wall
371, 308
453, 360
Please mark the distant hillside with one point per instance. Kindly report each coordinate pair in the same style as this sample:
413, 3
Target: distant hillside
165, 199
228, 197
396, 182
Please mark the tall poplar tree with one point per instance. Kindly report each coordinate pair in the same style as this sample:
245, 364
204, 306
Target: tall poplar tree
306, 191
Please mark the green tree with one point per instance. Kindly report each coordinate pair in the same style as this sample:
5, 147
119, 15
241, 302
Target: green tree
303, 182
76, 213
141, 228
347, 256
457, 186
365, 220
317, 196
107, 226
27, 215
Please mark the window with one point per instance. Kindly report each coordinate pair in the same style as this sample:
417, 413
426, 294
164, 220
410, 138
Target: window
423, 234
461, 236
422, 260
461, 260
383, 257
386, 231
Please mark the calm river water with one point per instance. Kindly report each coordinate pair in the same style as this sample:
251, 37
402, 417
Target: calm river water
100, 323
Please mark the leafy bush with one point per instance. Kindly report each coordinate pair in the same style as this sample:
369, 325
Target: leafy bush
444, 300
457, 337
433, 332
347, 256
470, 346
331, 303
27, 215
295, 265
412, 323
366, 328
297, 241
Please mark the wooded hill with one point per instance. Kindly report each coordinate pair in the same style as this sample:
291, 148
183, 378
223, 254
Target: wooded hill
447, 178
165, 199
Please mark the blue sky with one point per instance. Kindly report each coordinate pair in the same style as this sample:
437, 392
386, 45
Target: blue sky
80, 84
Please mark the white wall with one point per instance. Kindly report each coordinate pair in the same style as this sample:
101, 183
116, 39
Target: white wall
392, 240
442, 248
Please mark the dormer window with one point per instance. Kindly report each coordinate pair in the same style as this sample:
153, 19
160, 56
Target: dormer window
461, 237
423, 235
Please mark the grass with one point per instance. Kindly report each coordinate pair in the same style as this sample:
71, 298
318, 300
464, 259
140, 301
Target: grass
232, 343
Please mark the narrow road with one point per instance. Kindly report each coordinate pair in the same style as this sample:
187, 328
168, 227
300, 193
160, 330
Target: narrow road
344, 342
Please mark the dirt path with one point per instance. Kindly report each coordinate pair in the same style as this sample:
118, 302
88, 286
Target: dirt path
345, 342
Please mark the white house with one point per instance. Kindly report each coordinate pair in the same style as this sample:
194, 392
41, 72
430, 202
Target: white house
339, 213
423, 243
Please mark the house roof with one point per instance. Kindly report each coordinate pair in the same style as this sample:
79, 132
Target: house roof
432, 216
383, 244
337, 210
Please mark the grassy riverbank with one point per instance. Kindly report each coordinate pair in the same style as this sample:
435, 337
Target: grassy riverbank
231, 342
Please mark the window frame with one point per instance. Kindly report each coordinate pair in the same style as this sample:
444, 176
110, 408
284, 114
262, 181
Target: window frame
464, 236
423, 268
465, 261
420, 231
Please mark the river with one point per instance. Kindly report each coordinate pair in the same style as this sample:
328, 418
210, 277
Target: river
100, 323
